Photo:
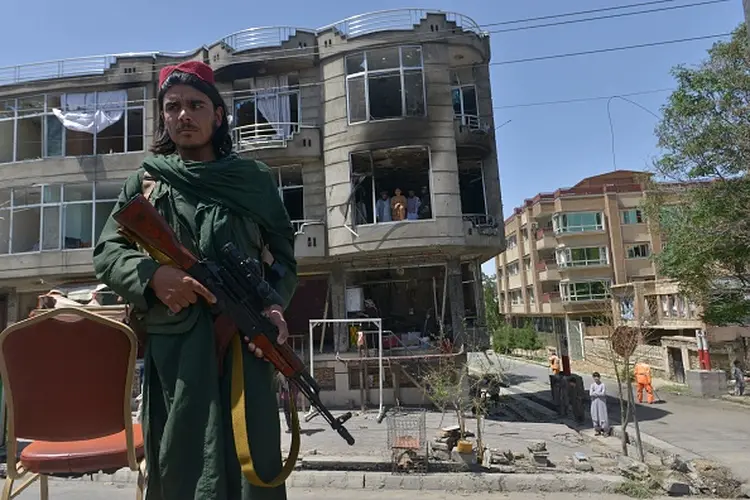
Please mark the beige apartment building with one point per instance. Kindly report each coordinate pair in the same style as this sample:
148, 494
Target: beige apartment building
567, 248
380, 102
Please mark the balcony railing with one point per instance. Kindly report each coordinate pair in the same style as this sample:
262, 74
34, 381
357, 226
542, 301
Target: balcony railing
62, 68
258, 38
264, 135
252, 38
471, 122
396, 20
551, 297
542, 232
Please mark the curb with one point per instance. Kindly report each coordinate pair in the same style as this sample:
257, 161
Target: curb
656, 446
454, 482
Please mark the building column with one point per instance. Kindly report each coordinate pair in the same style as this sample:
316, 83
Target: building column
338, 309
11, 300
456, 298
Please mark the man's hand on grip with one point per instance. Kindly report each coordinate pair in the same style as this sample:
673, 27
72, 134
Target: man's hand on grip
276, 315
177, 289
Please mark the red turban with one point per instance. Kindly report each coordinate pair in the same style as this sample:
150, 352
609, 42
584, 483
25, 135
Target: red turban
195, 68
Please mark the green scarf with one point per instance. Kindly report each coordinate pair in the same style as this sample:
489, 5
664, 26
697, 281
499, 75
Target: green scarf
229, 189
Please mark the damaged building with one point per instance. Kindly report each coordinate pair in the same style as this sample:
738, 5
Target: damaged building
380, 132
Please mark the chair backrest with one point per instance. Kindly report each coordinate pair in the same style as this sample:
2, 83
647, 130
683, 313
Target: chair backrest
67, 374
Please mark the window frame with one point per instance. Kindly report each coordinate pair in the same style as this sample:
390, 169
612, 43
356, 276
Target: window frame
569, 262
60, 205
46, 114
559, 228
637, 213
566, 287
632, 246
365, 74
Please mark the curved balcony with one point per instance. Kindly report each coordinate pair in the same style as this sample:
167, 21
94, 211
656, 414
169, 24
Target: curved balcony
397, 20
260, 38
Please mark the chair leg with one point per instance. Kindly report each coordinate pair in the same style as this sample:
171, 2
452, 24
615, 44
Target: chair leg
8, 488
43, 487
141, 482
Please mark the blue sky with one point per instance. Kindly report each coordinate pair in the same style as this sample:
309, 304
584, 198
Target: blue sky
543, 147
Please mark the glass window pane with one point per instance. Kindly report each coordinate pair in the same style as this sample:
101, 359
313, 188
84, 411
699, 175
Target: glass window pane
108, 190
78, 192
78, 225
6, 139
414, 93
4, 198
52, 193
291, 176
27, 196
103, 211
355, 63
31, 105
135, 96
385, 96
411, 57
51, 228
29, 138
456, 98
54, 136
383, 59
26, 230
357, 104
7, 108
4, 231
470, 100
135, 130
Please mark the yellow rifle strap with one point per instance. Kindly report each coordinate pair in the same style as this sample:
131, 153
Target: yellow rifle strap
239, 426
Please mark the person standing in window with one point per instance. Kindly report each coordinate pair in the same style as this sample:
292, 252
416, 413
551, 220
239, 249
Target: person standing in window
383, 207
412, 206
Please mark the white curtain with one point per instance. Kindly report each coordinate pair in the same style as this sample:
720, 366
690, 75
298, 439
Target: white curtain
91, 112
272, 104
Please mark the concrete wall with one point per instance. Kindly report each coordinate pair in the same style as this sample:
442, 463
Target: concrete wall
597, 351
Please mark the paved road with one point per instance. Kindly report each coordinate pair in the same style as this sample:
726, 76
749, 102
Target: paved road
82, 490
711, 428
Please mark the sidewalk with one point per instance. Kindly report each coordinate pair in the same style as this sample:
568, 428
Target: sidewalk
709, 428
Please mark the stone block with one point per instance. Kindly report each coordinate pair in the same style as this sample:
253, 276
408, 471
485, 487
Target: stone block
707, 383
537, 446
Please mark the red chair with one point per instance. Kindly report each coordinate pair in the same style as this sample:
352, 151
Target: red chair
68, 376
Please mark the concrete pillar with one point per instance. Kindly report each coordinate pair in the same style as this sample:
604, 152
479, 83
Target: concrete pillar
483, 339
456, 298
12, 301
338, 309
616, 248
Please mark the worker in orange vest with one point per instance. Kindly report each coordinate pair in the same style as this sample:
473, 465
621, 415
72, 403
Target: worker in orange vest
642, 373
554, 362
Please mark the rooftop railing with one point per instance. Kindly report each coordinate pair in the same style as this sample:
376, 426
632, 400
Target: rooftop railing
252, 38
259, 38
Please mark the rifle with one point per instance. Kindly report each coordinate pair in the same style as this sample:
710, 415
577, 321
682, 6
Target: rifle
241, 292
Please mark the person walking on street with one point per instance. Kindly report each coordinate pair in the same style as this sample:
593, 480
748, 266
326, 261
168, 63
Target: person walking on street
209, 196
599, 414
554, 362
642, 373
739, 378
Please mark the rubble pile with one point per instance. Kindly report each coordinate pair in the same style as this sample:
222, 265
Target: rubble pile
682, 478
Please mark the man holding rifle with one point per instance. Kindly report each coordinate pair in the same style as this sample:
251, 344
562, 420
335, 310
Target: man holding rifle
209, 196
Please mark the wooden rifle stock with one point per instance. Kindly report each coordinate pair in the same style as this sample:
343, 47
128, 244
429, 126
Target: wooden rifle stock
141, 223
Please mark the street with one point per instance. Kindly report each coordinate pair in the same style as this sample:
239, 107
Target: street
86, 490
711, 428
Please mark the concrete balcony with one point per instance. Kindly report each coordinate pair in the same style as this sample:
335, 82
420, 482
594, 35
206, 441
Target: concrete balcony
309, 239
268, 141
545, 239
245, 53
547, 271
552, 304
473, 134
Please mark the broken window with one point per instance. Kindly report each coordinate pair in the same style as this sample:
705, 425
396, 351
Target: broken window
76, 124
471, 187
270, 111
291, 190
391, 185
385, 83
465, 105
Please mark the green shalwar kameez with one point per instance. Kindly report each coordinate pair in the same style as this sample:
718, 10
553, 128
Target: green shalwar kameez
189, 441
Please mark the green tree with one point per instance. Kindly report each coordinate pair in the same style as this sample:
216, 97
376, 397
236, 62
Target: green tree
491, 305
704, 212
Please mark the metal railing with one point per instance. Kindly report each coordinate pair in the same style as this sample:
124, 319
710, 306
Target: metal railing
255, 135
258, 38
63, 68
396, 20
300, 224
472, 122
252, 38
